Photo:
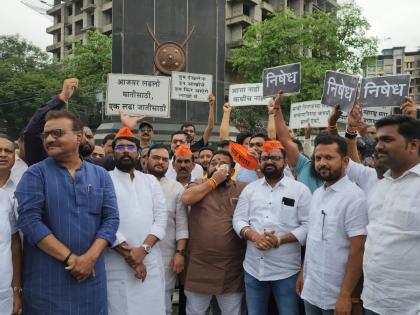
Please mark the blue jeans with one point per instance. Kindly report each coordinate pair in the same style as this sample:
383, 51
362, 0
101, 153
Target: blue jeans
257, 294
369, 312
311, 309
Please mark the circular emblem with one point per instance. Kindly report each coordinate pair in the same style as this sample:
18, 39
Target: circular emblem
170, 56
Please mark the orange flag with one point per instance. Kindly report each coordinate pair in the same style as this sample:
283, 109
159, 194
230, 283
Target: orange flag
124, 132
241, 156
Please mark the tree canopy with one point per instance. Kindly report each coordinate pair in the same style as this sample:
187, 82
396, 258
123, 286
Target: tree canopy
320, 41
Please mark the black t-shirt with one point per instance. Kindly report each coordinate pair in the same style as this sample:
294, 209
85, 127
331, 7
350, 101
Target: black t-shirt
198, 145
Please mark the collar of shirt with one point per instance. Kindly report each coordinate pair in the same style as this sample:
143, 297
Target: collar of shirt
339, 185
415, 169
282, 181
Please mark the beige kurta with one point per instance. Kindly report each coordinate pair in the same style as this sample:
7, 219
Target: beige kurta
215, 252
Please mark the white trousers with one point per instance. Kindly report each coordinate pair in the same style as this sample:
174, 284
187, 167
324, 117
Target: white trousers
229, 303
168, 301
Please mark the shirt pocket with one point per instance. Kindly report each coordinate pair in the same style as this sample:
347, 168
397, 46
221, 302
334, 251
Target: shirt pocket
95, 200
287, 216
329, 227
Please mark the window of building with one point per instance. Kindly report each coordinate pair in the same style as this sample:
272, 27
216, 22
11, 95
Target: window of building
92, 20
398, 70
411, 90
409, 65
246, 9
69, 30
69, 10
380, 62
418, 73
418, 63
398, 61
418, 89
58, 36
57, 18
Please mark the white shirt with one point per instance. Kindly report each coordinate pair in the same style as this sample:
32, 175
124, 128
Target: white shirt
142, 210
7, 229
176, 229
337, 213
391, 262
264, 209
18, 168
197, 172
365, 177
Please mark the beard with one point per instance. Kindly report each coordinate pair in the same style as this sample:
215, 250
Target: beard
125, 164
271, 172
85, 149
157, 173
329, 175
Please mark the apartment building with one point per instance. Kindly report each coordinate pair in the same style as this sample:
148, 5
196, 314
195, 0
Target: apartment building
73, 18
397, 61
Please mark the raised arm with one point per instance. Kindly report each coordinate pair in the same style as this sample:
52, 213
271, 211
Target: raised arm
210, 122
271, 128
353, 120
34, 150
292, 151
225, 125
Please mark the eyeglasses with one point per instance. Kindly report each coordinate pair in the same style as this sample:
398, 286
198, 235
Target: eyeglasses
272, 158
129, 147
158, 158
55, 133
146, 130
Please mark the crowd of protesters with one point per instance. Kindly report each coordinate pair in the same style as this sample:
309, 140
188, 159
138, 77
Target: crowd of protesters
265, 224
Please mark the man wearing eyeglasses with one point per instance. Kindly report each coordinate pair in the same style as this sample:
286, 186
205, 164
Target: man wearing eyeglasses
272, 215
145, 134
68, 215
135, 271
174, 244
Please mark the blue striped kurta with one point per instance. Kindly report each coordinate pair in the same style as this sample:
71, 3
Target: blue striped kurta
76, 211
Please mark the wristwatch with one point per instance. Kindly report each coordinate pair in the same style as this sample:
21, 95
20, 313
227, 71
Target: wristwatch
147, 248
180, 251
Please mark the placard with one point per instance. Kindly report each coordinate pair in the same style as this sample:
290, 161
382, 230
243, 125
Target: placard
339, 88
247, 94
316, 114
138, 95
191, 86
284, 78
384, 91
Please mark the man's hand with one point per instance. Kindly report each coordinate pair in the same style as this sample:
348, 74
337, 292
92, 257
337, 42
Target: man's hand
227, 108
141, 272
220, 176
343, 305
270, 106
178, 262
278, 99
211, 99
69, 86
265, 242
354, 118
81, 267
136, 256
334, 115
409, 108
17, 303
130, 121
308, 131
299, 283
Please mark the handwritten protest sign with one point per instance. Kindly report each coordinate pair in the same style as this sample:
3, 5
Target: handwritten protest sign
138, 95
191, 86
246, 94
316, 114
339, 88
384, 91
284, 78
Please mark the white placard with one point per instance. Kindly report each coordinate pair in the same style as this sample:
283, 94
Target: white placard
191, 86
316, 114
138, 95
247, 94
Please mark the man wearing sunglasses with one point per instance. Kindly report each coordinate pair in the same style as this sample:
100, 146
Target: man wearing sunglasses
146, 135
68, 215
272, 214
134, 268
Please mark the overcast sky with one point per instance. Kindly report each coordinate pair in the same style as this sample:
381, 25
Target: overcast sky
394, 22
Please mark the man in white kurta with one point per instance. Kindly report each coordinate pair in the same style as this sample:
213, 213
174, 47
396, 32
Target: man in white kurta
135, 274
174, 244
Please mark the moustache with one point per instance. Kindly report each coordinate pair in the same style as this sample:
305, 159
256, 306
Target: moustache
324, 168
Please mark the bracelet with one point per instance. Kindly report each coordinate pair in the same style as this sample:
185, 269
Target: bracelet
332, 127
350, 135
65, 261
17, 289
181, 252
247, 229
278, 241
212, 182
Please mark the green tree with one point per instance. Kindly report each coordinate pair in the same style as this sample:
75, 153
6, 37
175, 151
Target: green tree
90, 63
27, 80
320, 41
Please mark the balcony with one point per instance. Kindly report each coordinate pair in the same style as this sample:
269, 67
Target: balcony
107, 6
55, 46
55, 9
89, 28
54, 28
243, 19
107, 28
89, 8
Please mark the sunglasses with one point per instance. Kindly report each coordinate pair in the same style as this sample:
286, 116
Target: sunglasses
129, 147
272, 158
